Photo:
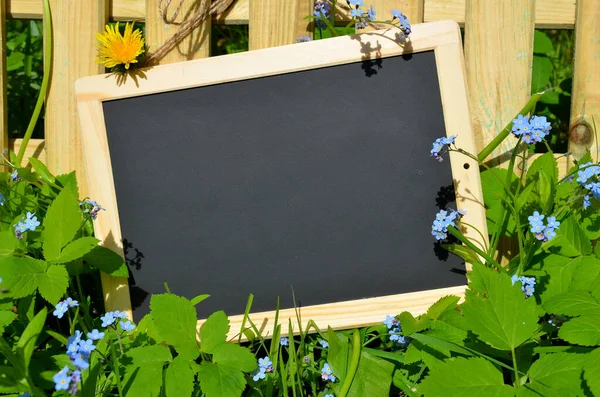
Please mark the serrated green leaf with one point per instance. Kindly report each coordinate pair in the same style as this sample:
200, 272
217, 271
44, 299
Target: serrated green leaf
585, 273
408, 323
234, 356
62, 221
448, 379
337, 356
143, 381
443, 305
53, 283
559, 371
77, 249
107, 261
8, 243
539, 390
69, 182
214, 331
561, 270
503, 318
543, 165
573, 303
571, 240
584, 330
20, 276
175, 322
148, 354
28, 340
179, 378
492, 182
591, 369
42, 170
373, 377
220, 381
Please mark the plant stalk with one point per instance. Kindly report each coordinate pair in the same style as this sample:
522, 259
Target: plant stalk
356, 345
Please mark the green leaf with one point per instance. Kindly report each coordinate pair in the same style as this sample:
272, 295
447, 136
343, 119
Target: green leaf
542, 70
199, 299
373, 377
234, 356
6, 317
144, 381
492, 181
77, 249
42, 170
62, 221
53, 283
591, 369
584, 330
559, 371
450, 379
337, 357
14, 61
574, 303
175, 321
443, 305
107, 261
28, 340
561, 270
462, 251
502, 317
543, 165
587, 270
149, 354
179, 378
542, 43
20, 276
69, 182
220, 381
571, 240
214, 331
8, 243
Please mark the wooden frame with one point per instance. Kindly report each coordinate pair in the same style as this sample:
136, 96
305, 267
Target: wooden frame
442, 37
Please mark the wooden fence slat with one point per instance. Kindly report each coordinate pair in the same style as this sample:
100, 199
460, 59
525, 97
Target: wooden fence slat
549, 13
3, 80
273, 23
195, 45
498, 58
585, 100
73, 56
413, 9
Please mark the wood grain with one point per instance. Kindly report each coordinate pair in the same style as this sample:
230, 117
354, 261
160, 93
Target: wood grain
498, 58
273, 23
585, 101
3, 82
549, 13
159, 30
73, 56
443, 37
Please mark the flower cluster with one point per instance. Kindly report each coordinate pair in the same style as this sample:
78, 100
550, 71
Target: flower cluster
439, 228
25, 224
1, 199
284, 341
324, 343
404, 23
543, 232
588, 176
441, 146
111, 317
264, 365
66, 379
531, 130
91, 207
394, 328
327, 373
557, 321
527, 284
321, 10
303, 39
15, 176
61, 307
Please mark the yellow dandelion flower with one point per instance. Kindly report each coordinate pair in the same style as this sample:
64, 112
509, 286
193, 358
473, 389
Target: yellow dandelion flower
116, 49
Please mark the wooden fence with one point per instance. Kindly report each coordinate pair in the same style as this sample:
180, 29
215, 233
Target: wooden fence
498, 53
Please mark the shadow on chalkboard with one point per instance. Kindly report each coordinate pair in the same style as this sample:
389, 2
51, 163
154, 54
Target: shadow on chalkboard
133, 259
370, 64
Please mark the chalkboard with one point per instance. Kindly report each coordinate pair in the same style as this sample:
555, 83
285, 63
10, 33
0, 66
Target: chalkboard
316, 182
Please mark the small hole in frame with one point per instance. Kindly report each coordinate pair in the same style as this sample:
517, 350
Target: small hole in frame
466, 166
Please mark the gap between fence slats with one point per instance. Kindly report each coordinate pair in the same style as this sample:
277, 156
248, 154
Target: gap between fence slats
3, 81
549, 13
73, 56
194, 46
585, 100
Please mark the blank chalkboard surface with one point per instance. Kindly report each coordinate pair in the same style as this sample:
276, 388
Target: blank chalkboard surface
315, 179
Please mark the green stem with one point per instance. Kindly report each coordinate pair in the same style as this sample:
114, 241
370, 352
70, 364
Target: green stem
453, 231
506, 131
116, 365
514, 360
353, 364
44, 88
